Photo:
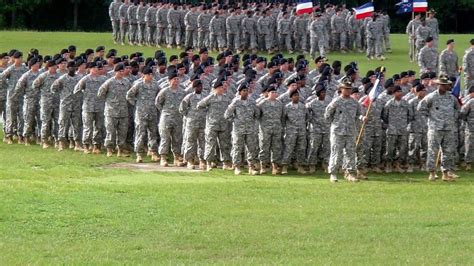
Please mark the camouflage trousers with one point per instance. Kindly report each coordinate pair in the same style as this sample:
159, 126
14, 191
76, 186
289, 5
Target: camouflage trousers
469, 146
203, 39
417, 146
217, 41
146, 131
215, 138
266, 42
116, 30
151, 35
443, 139
343, 150
162, 36
317, 46
369, 149
141, 35
386, 41
29, 116
194, 142
270, 143
301, 39
123, 31
244, 142
69, 120
249, 41
394, 144
116, 128
285, 42
171, 134
93, 123
14, 118
3, 113
49, 121
318, 148
133, 33
295, 142
340, 40
191, 38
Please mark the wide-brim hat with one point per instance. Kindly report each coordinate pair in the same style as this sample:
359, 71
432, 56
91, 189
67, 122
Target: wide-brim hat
443, 80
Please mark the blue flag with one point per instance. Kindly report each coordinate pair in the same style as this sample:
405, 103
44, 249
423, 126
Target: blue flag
456, 90
405, 6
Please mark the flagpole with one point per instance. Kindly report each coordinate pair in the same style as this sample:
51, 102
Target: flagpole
413, 57
363, 123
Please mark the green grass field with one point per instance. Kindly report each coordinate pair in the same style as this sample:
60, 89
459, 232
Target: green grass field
65, 208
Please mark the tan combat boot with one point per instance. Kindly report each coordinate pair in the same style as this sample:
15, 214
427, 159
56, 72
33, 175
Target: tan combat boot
21, 140
96, 149
45, 144
27, 141
110, 152
72, 144
208, 166
452, 175
163, 160
190, 165
263, 169
284, 170
398, 168
275, 169
252, 170
468, 167
202, 165
155, 157
410, 168
9, 140
352, 178
312, 169
361, 174
178, 161
300, 170
77, 147
446, 177
237, 170
227, 166
61, 145
139, 158
87, 149
432, 176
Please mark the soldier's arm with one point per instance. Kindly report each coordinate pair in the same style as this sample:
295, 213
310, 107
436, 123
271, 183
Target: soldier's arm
184, 105
330, 110
204, 103
5, 74
20, 86
230, 112
465, 110
80, 86
103, 89
386, 112
132, 93
423, 107
57, 85
160, 100
38, 81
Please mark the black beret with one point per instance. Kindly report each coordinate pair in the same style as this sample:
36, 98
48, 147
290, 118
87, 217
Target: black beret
300, 67
425, 76
396, 77
159, 53
100, 48
195, 57
429, 39
415, 83
203, 50
219, 83
173, 57
291, 81
147, 71
227, 53
243, 86
89, 51
119, 67
350, 72
161, 61
365, 80
260, 59
471, 41
270, 88
450, 41
294, 92
370, 73
411, 73
172, 75
180, 65
471, 89
63, 51
271, 64
283, 61
72, 48
3, 55
80, 61
133, 64
50, 63
419, 87
318, 88
196, 83
404, 74
117, 60
397, 88
33, 61
71, 64
17, 54
388, 83
110, 54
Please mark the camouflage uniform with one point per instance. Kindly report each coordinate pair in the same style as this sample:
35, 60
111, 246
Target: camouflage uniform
374, 33
124, 26
317, 41
432, 23
467, 114
428, 59
300, 32
14, 122
319, 132
343, 114
49, 105
217, 37
417, 128
468, 67
92, 109
442, 113
411, 31
355, 27
243, 114
64, 87
115, 19
141, 14
217, 127
370, 145
142, 96
295, 117
195, 125
448, 63
190, 21
396, 114
270, 131
133, 24
284, 34
24, 88
171, 121
203, 22
422, 32
338, 30
3, 102
150, 20
386, 32
164, 24
233, 26
263, 28
249, 33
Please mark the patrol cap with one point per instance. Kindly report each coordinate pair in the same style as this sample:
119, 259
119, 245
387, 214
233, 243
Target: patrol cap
147, 71
449, 41
100, 48
197, 82
429, 39
397, 88
293, 93
17, 54
420, 87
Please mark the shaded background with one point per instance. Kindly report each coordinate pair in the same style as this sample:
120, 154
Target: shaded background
92, 15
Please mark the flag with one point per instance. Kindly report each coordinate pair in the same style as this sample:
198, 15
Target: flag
304, 7
405, 6
364, 11
374, 92
420, 5
456, 90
